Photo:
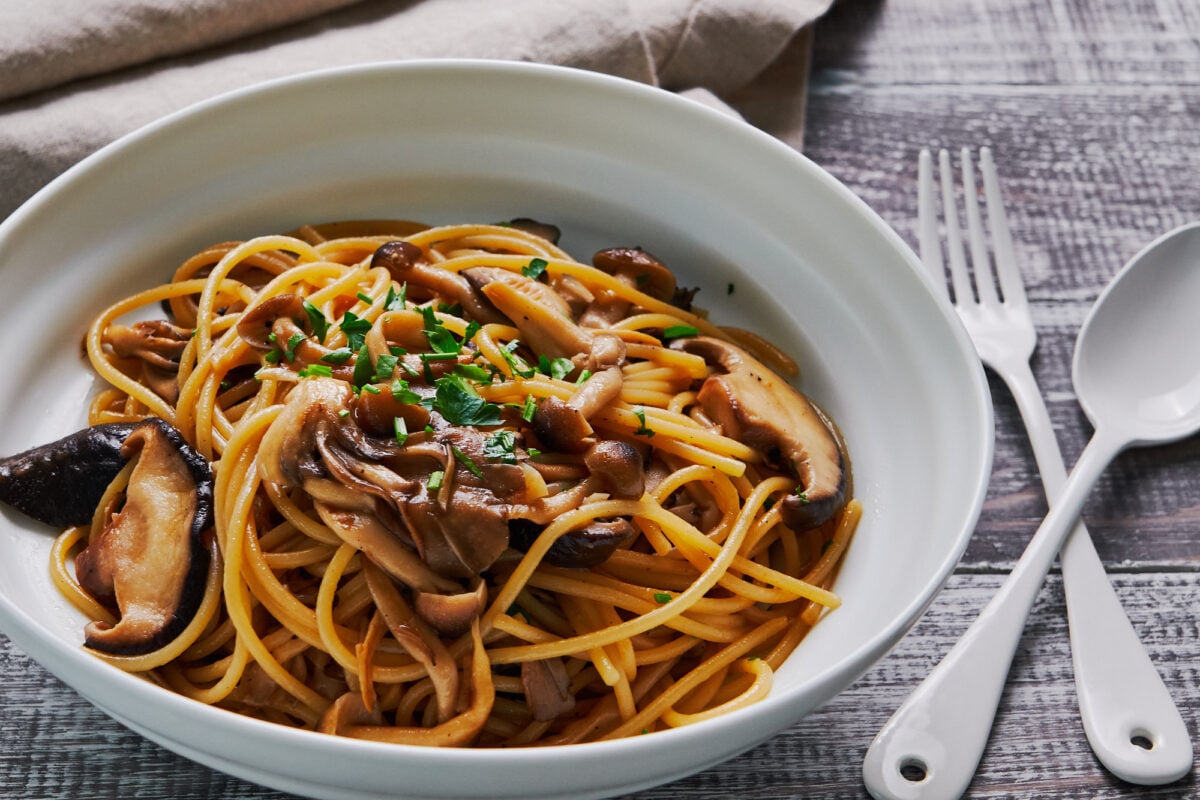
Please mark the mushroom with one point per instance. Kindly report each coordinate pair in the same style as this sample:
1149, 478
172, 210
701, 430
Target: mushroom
159, 345
61, 483
374, 493
451, 614
403, 261
580, 548
545, 230
544, 329
257, 324
547, 688
754, 405
634, 267
349, 709
480, 277
151, 560
619, 467
563, 424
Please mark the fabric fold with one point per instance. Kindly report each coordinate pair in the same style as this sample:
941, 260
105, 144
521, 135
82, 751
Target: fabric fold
180, 53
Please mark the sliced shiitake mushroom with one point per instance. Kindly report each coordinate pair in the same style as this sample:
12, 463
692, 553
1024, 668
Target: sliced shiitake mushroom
754, 405
61, 483
151, 560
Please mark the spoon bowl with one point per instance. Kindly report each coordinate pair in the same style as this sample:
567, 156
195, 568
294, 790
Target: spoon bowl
1137, 361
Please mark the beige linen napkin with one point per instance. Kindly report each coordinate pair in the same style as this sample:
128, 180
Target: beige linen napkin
76, 74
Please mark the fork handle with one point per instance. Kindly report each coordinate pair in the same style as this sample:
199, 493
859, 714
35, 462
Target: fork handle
1131, 722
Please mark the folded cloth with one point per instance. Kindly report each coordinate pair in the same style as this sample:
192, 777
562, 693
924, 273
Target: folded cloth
76, 74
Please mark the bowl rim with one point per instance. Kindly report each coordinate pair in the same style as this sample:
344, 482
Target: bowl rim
63, 659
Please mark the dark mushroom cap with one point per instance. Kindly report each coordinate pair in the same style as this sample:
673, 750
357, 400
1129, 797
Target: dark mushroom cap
754, 405
619, 467
152, 559
545, 230
647, 273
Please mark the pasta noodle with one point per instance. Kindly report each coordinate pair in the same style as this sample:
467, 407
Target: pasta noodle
467, 490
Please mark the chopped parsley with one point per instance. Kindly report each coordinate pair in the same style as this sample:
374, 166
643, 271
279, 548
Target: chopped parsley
366, 298
395, 301
440, 339
535, 268
317, 371
457, 401
678, 331
529, 408
402, 394
802, 495
435, 480
502, 445
472, 328
400, 427
642, 430
583, 376
662, 597
362, 368
371, 388
557, 368
339, 356
473, 372
385, 367
316, 318
514, 361
272, 357
289, 351
462, 458
356, 329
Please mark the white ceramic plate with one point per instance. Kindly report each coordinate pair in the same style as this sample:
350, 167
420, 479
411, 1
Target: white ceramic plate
612, 163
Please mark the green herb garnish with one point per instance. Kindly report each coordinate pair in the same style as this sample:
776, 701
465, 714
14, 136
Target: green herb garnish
502, 445
402, 394
362, 368
465, 460
678, 331
529, 408
642, 430
316, 371
535, 268
356, 329
662, 597
339, 356
460, 404
385, 367
289, 351
316, 318
401, 429
435, 480
557, 368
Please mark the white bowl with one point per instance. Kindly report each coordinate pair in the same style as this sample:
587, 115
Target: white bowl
612, 163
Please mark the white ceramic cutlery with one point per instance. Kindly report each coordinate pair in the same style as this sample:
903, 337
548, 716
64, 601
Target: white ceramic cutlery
1144, 324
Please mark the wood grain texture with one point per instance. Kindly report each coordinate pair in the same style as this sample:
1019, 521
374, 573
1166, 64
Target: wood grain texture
58, 746
1093, 108
1093, 168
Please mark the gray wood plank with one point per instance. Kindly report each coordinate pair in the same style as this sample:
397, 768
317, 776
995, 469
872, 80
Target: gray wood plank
1086, 186
55, 745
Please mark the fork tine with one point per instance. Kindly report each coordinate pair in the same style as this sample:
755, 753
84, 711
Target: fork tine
927, 233
954, 244
981, 269
1006, 261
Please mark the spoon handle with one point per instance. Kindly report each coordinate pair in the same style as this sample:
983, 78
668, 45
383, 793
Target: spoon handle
1122, 698
931, 746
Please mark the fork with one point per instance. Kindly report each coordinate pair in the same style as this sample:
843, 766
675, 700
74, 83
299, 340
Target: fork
932, 745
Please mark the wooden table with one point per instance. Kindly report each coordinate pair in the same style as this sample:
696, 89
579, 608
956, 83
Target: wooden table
1093, 108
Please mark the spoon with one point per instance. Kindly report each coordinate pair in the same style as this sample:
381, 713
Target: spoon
1137, 376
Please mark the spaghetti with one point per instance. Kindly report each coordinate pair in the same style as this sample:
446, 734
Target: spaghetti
468, 490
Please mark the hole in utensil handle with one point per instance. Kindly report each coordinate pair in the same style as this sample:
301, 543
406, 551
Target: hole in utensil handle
913, 770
